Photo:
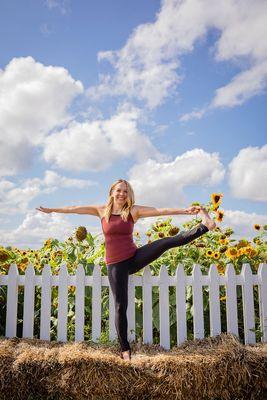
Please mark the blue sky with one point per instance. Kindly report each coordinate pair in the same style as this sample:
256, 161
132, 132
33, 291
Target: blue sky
169, 95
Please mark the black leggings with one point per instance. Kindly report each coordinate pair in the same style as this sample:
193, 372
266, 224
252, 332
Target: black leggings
118, 273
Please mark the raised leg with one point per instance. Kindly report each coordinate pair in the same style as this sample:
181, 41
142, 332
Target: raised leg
150, 252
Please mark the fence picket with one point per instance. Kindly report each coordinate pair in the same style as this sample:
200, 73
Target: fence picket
197, 303
62, 304
131, 308
96, 304
112, 329
181, 305
214, 301
248, 304
45, 303
231, 300
79, 304
164, 313
28, 305
147, 306
262, 272
12, 301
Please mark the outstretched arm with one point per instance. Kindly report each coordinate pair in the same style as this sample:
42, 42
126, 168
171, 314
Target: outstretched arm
143, 211
91, 210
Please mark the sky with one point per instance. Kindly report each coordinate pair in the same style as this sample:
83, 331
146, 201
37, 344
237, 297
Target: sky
169, 95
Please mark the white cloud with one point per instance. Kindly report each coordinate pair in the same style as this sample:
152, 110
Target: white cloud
147, 66
243, 86
62, 5
35, 229
96, 145
46, 29
34, 99
162, 184
242, 223
248, 174
195, 114
15, 199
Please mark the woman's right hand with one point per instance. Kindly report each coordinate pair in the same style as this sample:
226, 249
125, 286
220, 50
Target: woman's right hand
45, 210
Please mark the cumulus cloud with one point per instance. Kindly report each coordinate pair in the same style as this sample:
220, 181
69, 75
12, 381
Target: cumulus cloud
248, 174
15, 199
62, 5
147, 67
162, 184
96, 145
34, 99
243, 223
35, 229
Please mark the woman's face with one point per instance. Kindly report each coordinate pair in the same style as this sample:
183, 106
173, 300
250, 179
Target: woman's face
120, 194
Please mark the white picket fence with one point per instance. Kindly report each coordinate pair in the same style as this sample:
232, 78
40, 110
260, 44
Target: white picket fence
213, 280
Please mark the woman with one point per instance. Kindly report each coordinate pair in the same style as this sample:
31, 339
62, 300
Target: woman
123, 257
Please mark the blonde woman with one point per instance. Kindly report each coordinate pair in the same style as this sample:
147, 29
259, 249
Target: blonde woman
123, 257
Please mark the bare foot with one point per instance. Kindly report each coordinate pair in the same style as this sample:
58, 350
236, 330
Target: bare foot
206, 219
126, 355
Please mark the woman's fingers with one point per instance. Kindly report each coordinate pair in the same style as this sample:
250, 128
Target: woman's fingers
43, 209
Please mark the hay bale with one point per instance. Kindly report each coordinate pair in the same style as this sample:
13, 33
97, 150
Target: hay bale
218, 368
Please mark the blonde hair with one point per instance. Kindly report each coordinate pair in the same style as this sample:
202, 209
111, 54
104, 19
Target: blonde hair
126, 207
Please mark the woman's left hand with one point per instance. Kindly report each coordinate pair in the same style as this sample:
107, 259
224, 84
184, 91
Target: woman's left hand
192, 210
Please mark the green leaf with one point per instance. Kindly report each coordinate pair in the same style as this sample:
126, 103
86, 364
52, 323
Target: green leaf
89, 238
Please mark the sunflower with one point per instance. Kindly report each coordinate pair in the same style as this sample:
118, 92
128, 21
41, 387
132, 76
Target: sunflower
209, 253
257, 227
223, 249
216, 199
232, 252
219, 215
247, 250
72, 289
223, 241
220, 268
200, 244
173, 231
4, 255
242, 243
47, 243
81, 233
148, 233
253, 252
216, 255
258, 242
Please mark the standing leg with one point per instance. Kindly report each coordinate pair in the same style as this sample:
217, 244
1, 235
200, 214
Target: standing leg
118, 275
150, 252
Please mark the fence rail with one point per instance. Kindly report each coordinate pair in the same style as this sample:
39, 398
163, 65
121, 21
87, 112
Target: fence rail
197, 280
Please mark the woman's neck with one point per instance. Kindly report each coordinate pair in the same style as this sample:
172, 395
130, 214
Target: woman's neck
116, 211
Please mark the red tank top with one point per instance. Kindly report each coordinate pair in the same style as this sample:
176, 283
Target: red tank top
118, 238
